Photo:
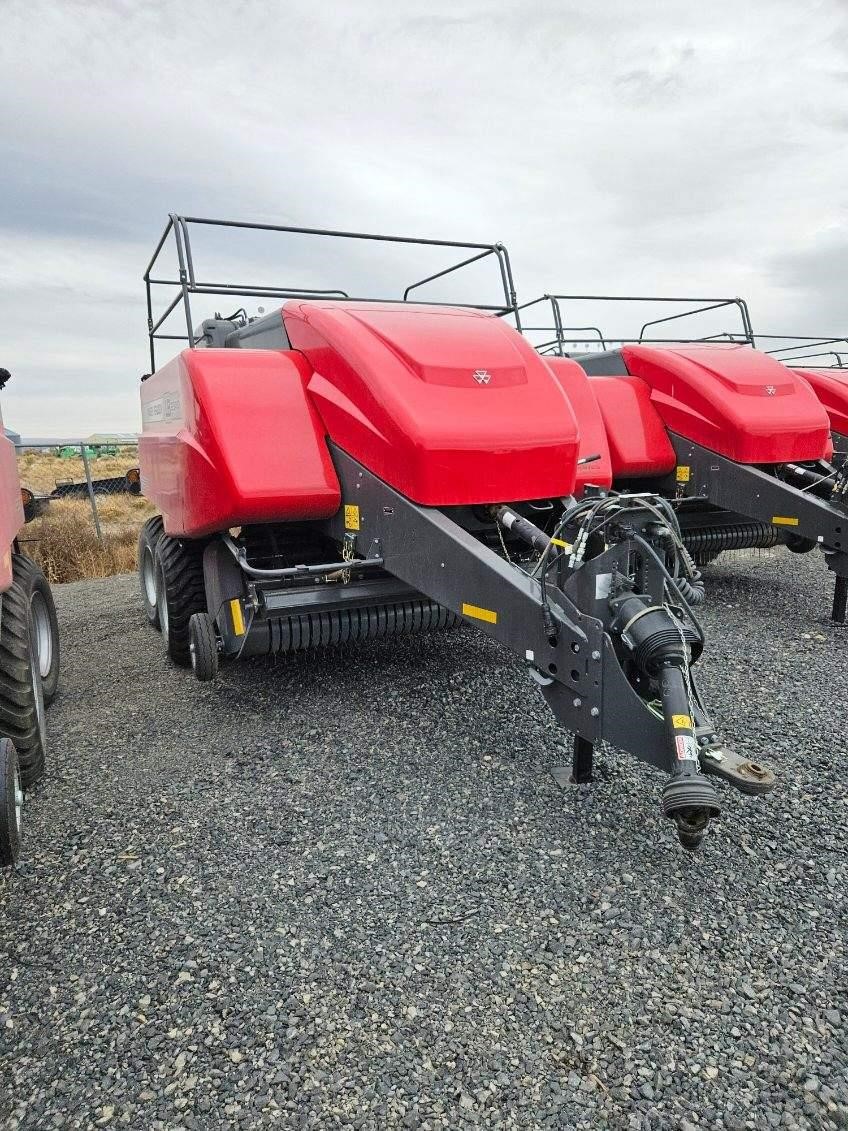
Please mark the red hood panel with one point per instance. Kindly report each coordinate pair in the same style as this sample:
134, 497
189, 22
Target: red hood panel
831, 389
733, 400
448, 406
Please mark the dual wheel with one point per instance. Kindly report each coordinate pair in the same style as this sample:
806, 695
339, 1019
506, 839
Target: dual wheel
174, 598
29, 679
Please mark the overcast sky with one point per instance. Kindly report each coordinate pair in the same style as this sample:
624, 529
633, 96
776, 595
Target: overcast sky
614, 146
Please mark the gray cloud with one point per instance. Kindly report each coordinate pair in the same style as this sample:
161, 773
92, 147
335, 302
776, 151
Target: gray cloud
613, 147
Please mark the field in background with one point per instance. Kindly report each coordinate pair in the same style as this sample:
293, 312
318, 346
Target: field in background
63, 539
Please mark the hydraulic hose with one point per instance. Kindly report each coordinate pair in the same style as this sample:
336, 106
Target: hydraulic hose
692, 587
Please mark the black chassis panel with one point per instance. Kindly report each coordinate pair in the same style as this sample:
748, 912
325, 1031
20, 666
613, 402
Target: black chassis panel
579, 676
750, 491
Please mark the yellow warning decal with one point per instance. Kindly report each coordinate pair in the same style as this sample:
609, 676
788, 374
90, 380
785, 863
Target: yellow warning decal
559, 542
783, 520
488, 615
238, 616
681, 722
684, 473
351, 516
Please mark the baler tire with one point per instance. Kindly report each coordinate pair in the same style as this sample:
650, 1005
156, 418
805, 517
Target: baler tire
180, 592
11, 803
149, 535
21, 686
203, 645
45, 623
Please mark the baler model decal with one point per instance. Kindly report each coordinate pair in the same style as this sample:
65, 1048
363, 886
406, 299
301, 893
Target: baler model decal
351, 516
163, 409
488, 615
784, 520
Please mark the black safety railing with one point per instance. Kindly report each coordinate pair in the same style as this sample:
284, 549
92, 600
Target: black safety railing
803, 350
188, 282
559, 333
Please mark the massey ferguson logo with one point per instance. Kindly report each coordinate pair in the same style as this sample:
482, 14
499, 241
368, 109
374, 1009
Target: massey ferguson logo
482, 376
771, 390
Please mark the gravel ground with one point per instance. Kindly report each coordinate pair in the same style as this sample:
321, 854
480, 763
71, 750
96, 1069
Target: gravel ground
347, 892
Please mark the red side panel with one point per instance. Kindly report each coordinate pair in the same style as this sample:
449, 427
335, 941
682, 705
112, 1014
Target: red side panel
230, 437
11, 507
733, 400
590, 424
831, 389
448, 406
638, 443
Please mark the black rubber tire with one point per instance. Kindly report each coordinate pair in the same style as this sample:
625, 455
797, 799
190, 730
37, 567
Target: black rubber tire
149, 535
180, 592
45, 622
21, 691
11, 796
203, 645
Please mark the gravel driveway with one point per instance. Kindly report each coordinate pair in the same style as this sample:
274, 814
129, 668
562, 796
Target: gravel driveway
346, 892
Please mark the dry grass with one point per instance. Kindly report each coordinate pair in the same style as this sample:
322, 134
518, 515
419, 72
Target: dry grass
63, 540
65, 545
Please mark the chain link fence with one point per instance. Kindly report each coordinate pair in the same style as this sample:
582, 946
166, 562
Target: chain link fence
84, 507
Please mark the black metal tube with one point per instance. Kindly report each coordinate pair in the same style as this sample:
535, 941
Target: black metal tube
840, 600
522, 528
446, 271
581, 760
680, 725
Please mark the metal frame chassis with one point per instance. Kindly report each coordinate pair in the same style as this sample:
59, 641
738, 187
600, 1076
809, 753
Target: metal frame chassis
579, 675
750, 491
189, 284
562, 332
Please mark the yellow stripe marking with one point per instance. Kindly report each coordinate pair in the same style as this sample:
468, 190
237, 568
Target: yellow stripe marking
559, 542
488, 615
783, 520
238, 616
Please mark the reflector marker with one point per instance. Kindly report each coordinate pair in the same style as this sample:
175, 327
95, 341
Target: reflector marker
783, 520
238, 616
488, 615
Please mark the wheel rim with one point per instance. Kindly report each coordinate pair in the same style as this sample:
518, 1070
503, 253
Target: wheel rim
42, 633
19, 802
38, 697
148, 577
162, 599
